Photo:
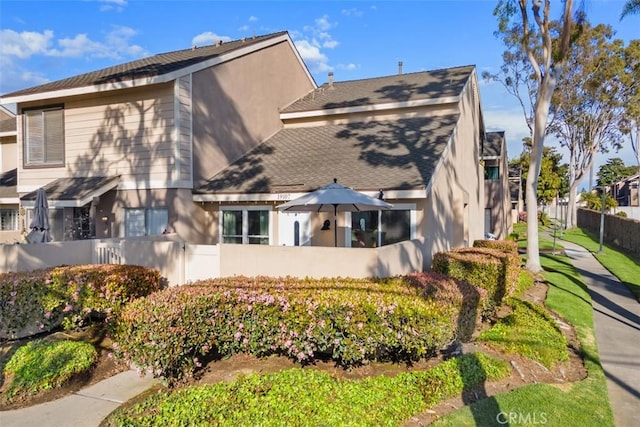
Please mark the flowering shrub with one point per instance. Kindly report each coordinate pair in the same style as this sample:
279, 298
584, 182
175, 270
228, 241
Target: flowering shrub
350, 321
494, 270
41, 300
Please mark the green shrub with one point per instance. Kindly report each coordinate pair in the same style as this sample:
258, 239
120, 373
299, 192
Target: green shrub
42, 365
468, 299
349, 321
308, 397
508, 246
494, 270
41, 300
622, 214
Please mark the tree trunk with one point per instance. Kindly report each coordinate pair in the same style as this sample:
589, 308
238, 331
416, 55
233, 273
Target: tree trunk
547, 86
573, 190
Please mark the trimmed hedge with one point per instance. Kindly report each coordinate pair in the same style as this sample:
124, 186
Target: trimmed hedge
349, 321
41, 300
495, 270
504, 245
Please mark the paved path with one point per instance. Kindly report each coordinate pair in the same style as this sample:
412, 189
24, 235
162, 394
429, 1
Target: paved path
616, 317
85, 408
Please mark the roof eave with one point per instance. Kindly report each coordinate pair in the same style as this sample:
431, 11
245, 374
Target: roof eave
283, 197
145, 81
369, 108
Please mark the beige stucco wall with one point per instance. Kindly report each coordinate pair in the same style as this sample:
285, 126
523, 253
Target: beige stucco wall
454, 208
236, 105
27, 257
8, 153
125, 132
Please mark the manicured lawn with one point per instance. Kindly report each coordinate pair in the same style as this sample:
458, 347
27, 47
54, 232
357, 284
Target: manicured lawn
544, 244
584, 403
621, 265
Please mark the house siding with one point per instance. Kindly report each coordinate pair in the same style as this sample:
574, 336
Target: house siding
8, 153
127, 133
184, 127
236, 105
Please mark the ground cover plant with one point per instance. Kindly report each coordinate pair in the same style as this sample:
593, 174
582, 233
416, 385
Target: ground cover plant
170, 333
529, 331
308, 397
621, 265
44, 364
41, 300
584, 403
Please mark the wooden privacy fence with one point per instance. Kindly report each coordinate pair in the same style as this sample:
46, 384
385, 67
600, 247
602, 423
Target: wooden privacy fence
618, 231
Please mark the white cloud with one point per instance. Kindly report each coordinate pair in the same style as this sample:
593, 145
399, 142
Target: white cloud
352, 12
253, 19
311, 42
207, 38
25, 44
310, 52
117, 5
244, 28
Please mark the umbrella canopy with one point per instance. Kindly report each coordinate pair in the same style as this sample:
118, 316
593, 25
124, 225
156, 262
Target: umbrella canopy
335, 198
40, 223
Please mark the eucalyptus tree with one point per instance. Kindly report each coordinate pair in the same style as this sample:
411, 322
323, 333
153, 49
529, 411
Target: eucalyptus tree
631, 7
631, 102
528, 31
588, 105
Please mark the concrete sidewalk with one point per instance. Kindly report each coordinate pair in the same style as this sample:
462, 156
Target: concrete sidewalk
85, 408
616, 317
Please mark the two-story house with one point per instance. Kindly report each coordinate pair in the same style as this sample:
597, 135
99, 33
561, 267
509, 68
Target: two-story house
204, 143
10, 225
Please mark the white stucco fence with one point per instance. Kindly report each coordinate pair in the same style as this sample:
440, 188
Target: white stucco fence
182, 262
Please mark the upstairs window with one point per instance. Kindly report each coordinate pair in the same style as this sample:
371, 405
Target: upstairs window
44, 137
492, 173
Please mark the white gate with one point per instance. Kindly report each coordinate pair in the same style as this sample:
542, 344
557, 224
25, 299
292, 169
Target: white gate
109, 252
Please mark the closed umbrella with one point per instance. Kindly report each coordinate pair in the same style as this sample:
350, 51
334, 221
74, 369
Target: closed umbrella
40, 223
335, 198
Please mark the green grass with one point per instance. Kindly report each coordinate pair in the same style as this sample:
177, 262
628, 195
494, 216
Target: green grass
584, 403
544, 244
308, 397
530, 332
621, 265
41, 365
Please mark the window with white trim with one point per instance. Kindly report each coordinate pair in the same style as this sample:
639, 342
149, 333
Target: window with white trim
145, 221
245, 225
380, 228
43, 137
9, 219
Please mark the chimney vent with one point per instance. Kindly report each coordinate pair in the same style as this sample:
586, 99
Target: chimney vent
219, 43
399, 67
330, 81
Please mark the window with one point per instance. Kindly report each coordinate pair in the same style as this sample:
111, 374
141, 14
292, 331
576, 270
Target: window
492, 172
245, 226
145, 222
9, 219
395, 227
44, 137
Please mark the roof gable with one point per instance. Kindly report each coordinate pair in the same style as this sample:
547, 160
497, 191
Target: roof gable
146, 70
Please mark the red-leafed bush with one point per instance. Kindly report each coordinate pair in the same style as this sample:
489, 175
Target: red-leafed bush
349, 321
40, 300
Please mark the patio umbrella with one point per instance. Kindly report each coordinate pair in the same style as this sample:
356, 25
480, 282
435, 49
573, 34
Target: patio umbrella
335, 198
40, 223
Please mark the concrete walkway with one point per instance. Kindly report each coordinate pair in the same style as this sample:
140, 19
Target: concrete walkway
85, 408
616, 317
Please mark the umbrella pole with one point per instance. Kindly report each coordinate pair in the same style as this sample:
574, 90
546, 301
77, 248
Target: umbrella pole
335, 226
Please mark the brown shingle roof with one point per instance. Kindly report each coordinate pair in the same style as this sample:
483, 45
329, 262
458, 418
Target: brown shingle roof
492, 146
72, 189
397, 88
399, 154
9, 183
146, 67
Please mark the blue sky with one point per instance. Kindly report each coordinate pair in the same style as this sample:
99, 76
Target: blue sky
43, 41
